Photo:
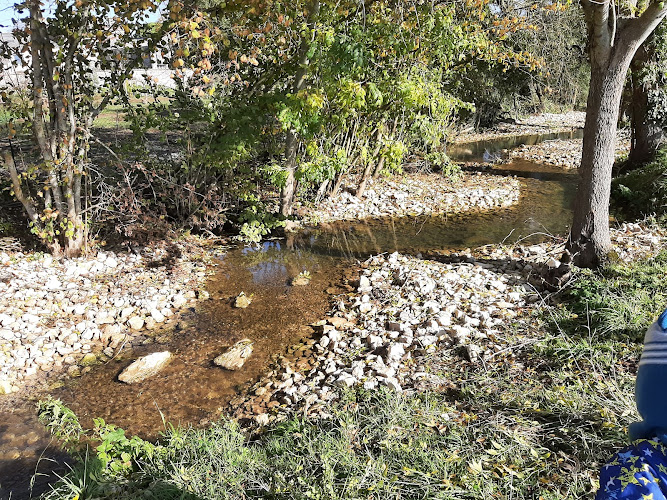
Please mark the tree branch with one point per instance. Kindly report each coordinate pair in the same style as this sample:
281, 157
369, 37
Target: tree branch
18, 189
637, 30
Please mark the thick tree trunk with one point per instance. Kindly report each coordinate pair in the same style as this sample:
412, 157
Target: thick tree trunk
589, 238
612, 45
75, 240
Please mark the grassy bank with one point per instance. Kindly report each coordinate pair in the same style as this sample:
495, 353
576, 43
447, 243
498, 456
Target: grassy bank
537, 423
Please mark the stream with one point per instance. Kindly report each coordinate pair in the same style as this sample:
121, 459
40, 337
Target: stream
191, 391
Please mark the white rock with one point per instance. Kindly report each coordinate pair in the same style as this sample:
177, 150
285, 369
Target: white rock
53, 283
393, 383
236, 356
157, 316
126, 312
80, 309
179, 301
136, 322
145, 367
365, 307
346, 380
395, 351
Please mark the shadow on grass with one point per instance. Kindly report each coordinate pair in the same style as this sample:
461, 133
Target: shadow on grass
26, 478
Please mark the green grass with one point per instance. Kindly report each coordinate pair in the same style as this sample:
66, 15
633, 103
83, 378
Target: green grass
619, 301
113, 117
536, 422
375, 446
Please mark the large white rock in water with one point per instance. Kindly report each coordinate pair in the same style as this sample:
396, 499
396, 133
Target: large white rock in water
236, 356
145, 367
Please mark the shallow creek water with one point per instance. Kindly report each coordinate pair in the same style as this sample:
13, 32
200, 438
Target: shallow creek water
191, 391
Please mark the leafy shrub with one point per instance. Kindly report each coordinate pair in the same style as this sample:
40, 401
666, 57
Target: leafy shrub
256, 222
643, 191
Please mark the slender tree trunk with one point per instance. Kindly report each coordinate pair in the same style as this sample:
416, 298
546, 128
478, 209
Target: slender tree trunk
292, 141
287, 193
369, 170
612, 45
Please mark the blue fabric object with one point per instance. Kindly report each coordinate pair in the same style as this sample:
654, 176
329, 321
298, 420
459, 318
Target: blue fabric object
651, 384
662, 320
636, 472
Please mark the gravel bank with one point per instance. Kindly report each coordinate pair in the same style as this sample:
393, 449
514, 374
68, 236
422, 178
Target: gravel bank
420, 194
55, 315
404, 310
534, 124
565, 154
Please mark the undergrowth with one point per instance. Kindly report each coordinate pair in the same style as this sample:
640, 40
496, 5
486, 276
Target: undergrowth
643, 191
617, 302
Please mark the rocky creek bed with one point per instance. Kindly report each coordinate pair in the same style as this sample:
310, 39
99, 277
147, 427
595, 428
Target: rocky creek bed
55, 314
534, 124
565, 153
405, 312
58, 315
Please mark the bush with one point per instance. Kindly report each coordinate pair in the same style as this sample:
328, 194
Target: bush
643, 191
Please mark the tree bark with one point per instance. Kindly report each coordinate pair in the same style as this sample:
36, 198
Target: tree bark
369, 170
612, 45
647, 136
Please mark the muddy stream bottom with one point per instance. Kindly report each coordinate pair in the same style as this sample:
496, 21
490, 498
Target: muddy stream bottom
191, 390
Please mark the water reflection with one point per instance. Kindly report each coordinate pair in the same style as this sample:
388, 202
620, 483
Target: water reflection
489, 150
275, 263
545, 208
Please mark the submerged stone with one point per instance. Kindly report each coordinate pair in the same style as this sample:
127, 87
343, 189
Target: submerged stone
236, 356
300, 281
145, 367
242, 301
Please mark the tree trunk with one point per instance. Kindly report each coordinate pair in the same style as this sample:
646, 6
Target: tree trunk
369, 170
589, 238
287, 193
612, 45
292, 142
647, 136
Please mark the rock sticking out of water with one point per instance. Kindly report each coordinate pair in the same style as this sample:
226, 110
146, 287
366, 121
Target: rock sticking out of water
242, 301
145, 367
236, 356
300, 281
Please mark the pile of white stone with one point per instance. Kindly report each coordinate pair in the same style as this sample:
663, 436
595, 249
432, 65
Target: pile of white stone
53, 312
405, 308
421, 195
